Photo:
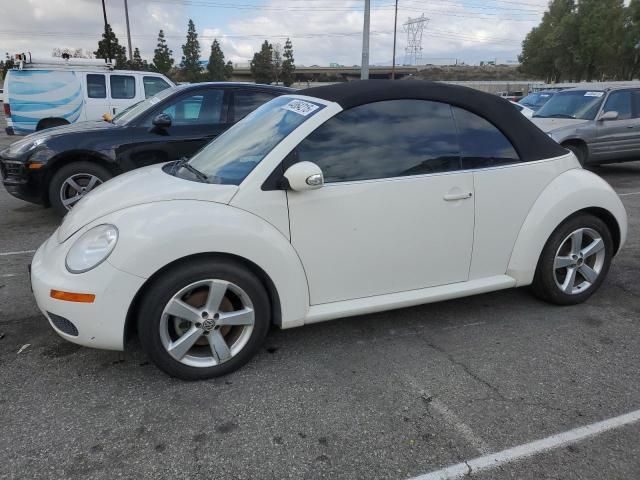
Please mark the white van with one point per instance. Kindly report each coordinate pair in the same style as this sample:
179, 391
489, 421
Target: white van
50, 92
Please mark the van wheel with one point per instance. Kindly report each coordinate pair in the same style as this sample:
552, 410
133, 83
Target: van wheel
72, 182
574, 262
50, 123
204, 319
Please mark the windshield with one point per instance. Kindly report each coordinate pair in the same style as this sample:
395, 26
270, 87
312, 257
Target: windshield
536, 100
233, 155
128, 114
580, 104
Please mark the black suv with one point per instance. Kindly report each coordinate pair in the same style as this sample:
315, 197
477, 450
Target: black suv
60, 165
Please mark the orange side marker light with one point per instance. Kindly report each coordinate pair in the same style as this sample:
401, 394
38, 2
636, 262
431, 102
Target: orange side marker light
73, 297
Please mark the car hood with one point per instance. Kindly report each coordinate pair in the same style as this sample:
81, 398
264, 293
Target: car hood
80, 127
145, 185
549, 124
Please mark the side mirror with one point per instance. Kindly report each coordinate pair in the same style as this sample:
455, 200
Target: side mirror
611, 115
162, 120
304, 176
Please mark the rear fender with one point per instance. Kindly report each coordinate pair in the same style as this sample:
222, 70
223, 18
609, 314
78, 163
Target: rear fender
571, 192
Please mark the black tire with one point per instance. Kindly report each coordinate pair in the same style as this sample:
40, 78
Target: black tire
50, 123
175, 279
579, 151
544, 283
68, 171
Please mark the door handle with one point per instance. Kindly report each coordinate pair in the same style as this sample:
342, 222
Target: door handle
450, 197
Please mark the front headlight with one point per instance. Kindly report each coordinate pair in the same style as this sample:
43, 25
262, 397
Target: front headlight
92, 248
23, 146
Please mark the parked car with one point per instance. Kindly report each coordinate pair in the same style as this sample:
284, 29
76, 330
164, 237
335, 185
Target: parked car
526, 111
343, 200
60, 165
536, 100
511, 96
1, 95
51, 92
597, 125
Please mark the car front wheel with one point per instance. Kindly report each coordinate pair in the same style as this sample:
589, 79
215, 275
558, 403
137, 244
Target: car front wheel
72, 182
204, 319
574, 261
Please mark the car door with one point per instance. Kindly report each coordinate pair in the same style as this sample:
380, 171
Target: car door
395, 213
618, 138
123, 91
96, 102
197, 117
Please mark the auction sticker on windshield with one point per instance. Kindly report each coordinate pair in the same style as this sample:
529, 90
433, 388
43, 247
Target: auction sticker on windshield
593, 94
301, 107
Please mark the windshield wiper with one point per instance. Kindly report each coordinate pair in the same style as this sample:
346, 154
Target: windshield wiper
184, 163
561, 115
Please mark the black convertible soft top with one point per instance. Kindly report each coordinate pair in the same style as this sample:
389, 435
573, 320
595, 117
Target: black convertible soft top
530, 142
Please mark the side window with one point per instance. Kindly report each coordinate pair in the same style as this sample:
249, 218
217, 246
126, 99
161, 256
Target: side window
246, 102
204, 107
387, 139
153, 85
96, 86
620, 102
123, 86
481, 143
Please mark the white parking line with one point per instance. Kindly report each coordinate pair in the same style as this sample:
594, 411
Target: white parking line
625, 194
8, 275
21, 252
494, 460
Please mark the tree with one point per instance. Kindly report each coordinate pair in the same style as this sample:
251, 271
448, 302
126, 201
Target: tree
190, 65
137, 63
262, 64
216, 67
276, 58
288, 65
162, 55
228, 70
600, 26
110, 49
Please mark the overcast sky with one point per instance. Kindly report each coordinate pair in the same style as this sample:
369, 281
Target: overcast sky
322, 31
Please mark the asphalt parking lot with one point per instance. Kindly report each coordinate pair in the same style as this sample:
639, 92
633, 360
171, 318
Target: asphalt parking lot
392, 395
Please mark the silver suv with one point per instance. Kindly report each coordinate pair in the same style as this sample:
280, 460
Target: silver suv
599, 125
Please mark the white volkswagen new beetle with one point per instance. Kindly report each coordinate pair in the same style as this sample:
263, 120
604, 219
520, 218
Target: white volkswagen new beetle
344, 200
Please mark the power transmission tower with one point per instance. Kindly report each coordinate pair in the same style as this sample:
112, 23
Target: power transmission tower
414, 28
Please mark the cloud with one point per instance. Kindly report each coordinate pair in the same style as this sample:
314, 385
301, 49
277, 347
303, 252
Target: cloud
325, 33
322, 31
39, 26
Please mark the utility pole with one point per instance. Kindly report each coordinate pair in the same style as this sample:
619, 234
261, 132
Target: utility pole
126, 14
104, 12
395, 26
364, 71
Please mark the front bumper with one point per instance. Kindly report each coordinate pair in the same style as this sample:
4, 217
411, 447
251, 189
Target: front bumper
100, 324
21, 182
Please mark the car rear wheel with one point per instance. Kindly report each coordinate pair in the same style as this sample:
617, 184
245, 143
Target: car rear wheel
73, 181
578, 151
574, 261
204, 319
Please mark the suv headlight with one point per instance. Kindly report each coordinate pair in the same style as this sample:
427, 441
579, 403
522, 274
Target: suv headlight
23, 146
92, 248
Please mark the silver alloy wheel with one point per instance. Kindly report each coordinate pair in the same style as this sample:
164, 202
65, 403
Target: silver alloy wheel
77, 186
207, 323
579, 261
